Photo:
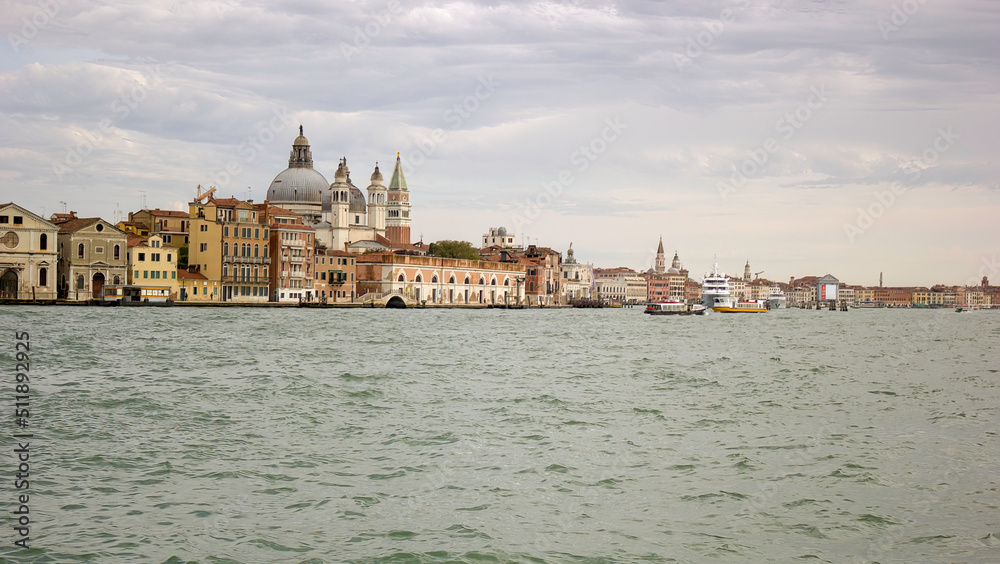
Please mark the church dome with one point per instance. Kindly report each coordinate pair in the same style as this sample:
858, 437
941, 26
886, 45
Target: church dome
297, 185
358, 202
502, 232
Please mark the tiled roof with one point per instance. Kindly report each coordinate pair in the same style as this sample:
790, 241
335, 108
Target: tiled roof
183, 274
168, 213
72, 225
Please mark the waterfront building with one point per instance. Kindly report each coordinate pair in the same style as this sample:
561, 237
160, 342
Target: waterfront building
577, 278
846, 294
738, 289
92, 254
826, 288
336, 272
339, 213
28, 255
152, 266
543, 266
291, 259
864, 295
229, 245
620, 285
194, 286
666, 283
441, 280
893, 296
171, 225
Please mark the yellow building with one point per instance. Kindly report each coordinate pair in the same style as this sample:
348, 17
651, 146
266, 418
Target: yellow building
193, 286
152, 266
228, 244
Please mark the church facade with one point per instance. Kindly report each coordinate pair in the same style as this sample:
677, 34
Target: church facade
341, 215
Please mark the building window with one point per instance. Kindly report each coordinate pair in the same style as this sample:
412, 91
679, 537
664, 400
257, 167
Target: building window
79, 251
43, 276
402, 278
203, 228
167, 239
203, 247
419, 278
118, 252
79, 282
142, 256
434, 279
4, 219
225, 249
43, 242
225, 231
99, 250
170, 257
468, 280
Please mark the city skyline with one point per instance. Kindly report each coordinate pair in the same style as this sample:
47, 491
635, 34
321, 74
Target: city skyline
737, 130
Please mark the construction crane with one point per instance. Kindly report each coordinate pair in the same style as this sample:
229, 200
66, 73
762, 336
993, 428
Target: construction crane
202, 195
756, 275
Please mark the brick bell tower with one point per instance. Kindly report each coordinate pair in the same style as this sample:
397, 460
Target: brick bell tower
397, 217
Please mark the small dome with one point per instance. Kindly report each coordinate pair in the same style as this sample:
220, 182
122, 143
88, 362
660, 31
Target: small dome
376, 176
297, 185
502, 232
673, 270
300, 140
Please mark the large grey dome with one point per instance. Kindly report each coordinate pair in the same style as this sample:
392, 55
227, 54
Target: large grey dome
358, 202
297, 185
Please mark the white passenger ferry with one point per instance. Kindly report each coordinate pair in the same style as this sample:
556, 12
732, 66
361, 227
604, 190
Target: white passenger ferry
776, 300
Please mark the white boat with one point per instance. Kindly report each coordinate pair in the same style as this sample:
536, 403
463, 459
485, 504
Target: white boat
776, 299
744, 306
674, 308
715, 290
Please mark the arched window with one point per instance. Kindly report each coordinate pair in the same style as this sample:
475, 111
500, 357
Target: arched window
43, 275
482, 281
402, 278
452, 279
225, 249
79, 253
225, 270
506, 281
256, 251
468, 280
265, 250
43, 242
493, 282
419, 278
434, 279
118, 253
117, 279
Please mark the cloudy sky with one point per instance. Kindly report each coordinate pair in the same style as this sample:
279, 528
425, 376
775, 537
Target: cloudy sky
843, 137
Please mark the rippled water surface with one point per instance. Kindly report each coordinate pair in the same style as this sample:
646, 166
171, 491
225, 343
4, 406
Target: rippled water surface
224, 435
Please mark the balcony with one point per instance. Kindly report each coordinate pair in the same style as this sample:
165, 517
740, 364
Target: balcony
248, 260
294, 243
296, 260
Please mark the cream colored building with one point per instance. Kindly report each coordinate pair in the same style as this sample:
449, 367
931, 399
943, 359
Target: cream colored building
153, 265
28, 255
577, 278
92, 254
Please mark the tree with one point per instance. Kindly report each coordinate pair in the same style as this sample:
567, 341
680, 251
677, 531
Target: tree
182, 257
453, 249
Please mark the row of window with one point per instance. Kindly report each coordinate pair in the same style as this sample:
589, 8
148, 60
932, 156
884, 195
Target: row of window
239, 249
244, 232
154, 257
81, 251
154, 274
468, 281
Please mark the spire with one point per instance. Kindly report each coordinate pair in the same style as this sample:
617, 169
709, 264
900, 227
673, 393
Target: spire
659, 249
398, 182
